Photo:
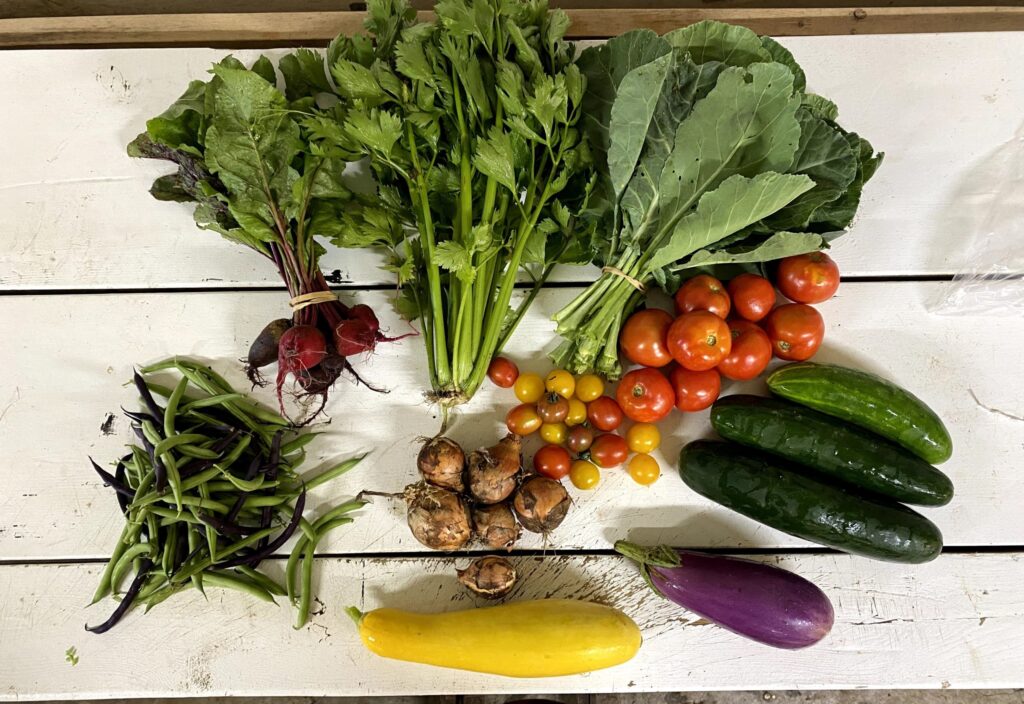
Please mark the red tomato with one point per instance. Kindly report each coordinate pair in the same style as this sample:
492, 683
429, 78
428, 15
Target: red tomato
752, 296
523, 419
645, 395
604, 414
609, 450
699, 340
552, 461
808, 278
503, 372
750, 354
695, 391
795, 330
703, 292
643, 337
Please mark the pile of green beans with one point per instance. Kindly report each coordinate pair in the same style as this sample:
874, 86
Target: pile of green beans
211, 490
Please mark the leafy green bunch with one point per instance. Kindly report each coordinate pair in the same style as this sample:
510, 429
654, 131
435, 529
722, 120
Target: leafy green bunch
470, 126
710, 152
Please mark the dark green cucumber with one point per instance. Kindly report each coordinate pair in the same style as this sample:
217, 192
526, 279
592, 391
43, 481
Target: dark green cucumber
831, 447
868, 401
765, 489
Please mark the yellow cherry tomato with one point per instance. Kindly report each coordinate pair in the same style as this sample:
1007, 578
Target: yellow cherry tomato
577, 412
560, 382
553, 433
643, 437
644, 469
589, 387
584, 474
529, 388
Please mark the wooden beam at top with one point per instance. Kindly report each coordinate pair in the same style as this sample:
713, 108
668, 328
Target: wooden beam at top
291, 28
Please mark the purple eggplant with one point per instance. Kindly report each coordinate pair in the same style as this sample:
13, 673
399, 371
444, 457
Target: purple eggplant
758, 601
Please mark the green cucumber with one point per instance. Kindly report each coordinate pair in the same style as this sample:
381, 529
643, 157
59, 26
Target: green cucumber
831, 447
763, 488
868, 401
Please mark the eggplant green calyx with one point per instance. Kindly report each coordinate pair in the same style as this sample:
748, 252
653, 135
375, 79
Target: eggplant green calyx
648, 557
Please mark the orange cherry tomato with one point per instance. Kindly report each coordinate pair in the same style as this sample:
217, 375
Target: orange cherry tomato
752, 296
750, 354
523, 419
643, 337
699, 340
645, 395
695, 391
703, 292
795, 330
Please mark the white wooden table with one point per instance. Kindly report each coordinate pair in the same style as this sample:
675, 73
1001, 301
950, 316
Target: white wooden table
96, 276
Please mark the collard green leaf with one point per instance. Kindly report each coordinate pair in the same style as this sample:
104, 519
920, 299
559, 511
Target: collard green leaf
304, 74
825, 155
745, 126
631, 114
785, 57
736, 203
777, 246
604, 67
838, 214
717, 41
820, 107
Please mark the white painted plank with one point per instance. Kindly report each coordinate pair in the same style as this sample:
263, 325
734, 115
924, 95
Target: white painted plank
957, 622
77, 211
62, 380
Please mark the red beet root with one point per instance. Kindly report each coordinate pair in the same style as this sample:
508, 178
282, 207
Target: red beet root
354, 336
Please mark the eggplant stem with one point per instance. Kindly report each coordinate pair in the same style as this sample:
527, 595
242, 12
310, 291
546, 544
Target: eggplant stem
659, 556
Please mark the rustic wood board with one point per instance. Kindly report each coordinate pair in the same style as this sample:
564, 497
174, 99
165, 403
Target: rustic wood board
56, 396
955, 622
270, 28
78, 215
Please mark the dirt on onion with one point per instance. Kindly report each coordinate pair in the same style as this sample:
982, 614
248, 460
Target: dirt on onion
441, 462
541, 504
490, 577
496, 526
492, 474
438, 518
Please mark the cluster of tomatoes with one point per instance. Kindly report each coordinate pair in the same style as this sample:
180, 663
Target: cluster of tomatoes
577, 423
706, 343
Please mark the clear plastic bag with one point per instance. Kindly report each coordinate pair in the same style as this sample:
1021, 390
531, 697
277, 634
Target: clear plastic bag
991, 280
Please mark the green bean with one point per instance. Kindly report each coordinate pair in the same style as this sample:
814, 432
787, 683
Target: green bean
169, 517
173, 478
125, 561
200, 502
166, 391
217, 400
171, 411
337, 512
260, 482
305, 596
298, 443
197, 452
263, 580
307, 543
164, 446
187, 571
103, 588
233, 581
193, 543
211, 534
334, 472
265, 501
170, 549
293, 559
150, 432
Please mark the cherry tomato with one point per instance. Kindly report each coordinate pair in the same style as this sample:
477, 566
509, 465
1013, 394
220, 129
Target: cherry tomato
752, 296
644, 469
589, 387
560, 382
695, 391
523, 419
579, 438
808, 278
552, 461
529, 388
644, 395
643, 438
577, 412
750, 354
503, 372
609, 450
643, 338
552, 408
553, 433
604, 413
795, 330
703, 292
699, 340
584, 474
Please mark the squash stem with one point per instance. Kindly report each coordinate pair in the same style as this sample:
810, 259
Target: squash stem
354, 614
